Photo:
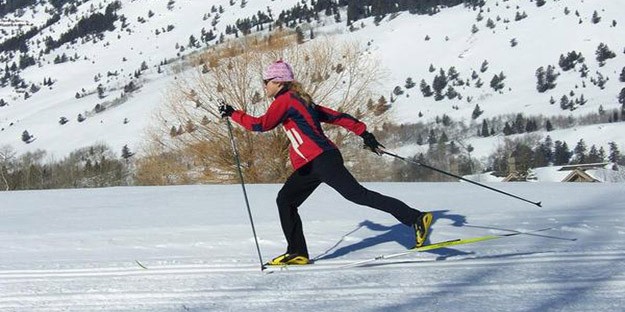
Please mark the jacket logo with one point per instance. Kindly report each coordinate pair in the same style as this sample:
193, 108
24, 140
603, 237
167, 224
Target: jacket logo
296, 141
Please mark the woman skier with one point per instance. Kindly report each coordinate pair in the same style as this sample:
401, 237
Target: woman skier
316, 159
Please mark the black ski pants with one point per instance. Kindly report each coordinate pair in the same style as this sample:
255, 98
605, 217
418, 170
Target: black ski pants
328, 168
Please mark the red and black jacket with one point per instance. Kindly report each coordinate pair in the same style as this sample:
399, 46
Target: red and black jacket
302, 124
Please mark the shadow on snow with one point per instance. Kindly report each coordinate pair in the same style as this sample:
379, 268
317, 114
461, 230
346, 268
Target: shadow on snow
398, 233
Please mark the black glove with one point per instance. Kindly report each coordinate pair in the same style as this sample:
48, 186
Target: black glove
225, 110
371, 142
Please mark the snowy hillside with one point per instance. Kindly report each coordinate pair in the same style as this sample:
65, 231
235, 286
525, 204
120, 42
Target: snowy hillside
541, 38
545, 34
154, 34
121, 52
76, 250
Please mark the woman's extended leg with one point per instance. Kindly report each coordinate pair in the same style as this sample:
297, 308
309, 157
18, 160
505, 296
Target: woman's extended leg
329, 167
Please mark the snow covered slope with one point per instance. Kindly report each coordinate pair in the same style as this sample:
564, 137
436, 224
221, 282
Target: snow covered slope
75, 250
399, 42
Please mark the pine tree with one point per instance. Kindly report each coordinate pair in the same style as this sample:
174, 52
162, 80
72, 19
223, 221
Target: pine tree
519, 16
476, 112
337, 17
550, 77
524, 157
603, 53
621, 97
544, 155
497, 82
565, 103
432, 137
562, 155
443, 138
126, 153
615, 154
100, 91
439, 83
519, 124
409, 83
484, 128
602, 155
600, 81
565, 63
541, 81
452, 73
425, 88
26, 137
583, 71
594, 156
595, 17
451, 93
192, 42
474, 75
580, 152
507, 130
484, 66
531, 126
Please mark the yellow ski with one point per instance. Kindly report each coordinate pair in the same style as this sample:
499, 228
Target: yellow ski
453, 242
443, 244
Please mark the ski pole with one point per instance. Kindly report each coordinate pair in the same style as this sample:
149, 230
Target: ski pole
247, 203
461, 178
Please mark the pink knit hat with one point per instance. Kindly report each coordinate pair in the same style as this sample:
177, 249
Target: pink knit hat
279, 71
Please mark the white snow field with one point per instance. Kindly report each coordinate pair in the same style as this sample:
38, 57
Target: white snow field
77, 250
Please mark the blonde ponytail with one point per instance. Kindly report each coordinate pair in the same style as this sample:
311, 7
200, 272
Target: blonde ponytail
297, 87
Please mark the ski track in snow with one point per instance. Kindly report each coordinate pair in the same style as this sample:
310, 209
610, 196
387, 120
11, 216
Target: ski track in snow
75, 250
232, 287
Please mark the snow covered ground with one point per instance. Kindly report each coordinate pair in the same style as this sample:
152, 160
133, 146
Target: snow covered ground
76, 250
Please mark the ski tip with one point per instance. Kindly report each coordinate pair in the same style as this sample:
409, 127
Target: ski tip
539, 204
141, 265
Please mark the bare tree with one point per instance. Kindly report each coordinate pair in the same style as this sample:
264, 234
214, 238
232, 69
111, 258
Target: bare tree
334, 74
7, 155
